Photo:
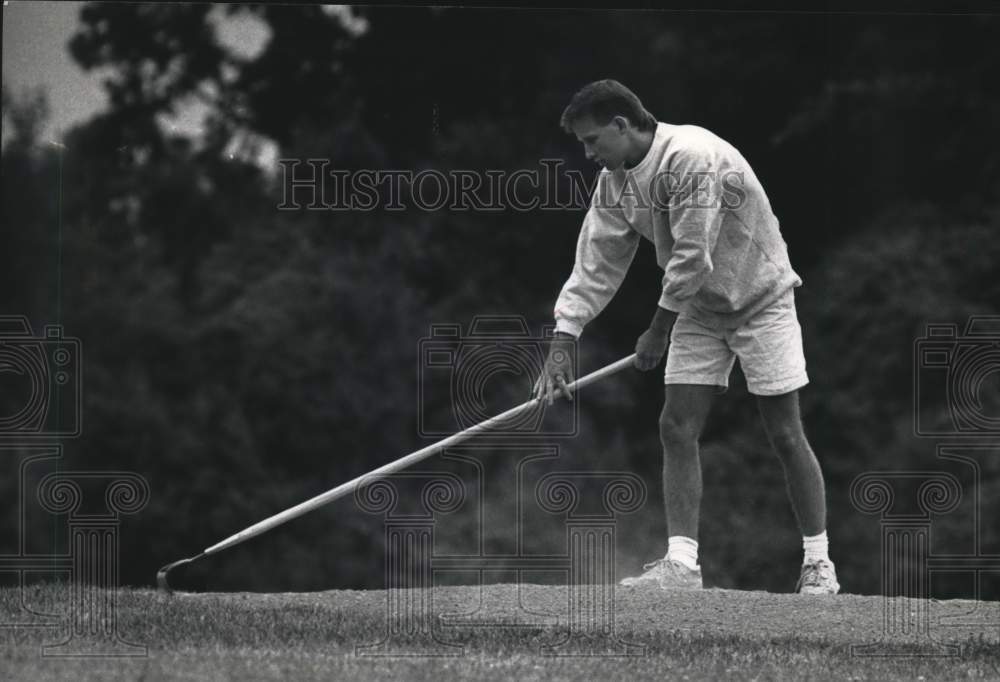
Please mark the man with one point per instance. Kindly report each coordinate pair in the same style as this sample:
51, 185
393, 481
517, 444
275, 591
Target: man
728, 292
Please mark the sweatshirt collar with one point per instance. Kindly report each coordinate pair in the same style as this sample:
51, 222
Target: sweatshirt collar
661, 130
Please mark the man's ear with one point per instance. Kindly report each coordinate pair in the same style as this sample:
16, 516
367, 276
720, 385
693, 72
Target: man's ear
621, 123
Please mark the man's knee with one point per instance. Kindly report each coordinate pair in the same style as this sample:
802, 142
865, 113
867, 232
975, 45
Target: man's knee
783, 424
788, 439
678, 426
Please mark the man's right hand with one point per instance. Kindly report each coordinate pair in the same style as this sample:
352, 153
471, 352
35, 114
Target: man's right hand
557, 372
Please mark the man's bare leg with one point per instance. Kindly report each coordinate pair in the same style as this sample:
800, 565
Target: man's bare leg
803, 476
804, 480
685, 409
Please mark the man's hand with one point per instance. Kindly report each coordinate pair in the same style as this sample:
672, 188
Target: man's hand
650, 347
558, 370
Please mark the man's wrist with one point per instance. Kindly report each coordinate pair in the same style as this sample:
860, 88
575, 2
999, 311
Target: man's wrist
562, 347
663, 320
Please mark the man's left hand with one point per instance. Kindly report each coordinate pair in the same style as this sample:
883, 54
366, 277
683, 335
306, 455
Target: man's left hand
650, 347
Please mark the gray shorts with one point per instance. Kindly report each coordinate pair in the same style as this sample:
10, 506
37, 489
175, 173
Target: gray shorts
769, 346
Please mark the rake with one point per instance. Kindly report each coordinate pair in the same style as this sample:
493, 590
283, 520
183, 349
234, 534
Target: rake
351, 486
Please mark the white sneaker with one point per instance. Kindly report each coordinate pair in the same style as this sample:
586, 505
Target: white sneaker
818, 577
668, 574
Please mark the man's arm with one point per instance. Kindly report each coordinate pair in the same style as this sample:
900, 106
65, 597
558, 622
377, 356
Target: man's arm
695, 218
604, 251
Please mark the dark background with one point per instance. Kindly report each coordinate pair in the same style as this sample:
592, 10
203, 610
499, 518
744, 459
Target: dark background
243, 358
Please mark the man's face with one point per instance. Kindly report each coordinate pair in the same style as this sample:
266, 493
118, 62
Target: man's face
605, 145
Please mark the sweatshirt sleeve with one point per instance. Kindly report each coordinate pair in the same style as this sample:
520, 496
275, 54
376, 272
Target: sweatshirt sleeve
604, 252
695, 217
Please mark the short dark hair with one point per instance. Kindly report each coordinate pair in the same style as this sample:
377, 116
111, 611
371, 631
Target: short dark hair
603, 100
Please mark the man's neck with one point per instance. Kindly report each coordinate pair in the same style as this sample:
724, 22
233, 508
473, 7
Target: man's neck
643, 141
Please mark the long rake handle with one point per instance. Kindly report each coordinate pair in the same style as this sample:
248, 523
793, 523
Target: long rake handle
402, 463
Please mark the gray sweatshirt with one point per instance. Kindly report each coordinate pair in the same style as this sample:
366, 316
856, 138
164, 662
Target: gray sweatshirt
697, 199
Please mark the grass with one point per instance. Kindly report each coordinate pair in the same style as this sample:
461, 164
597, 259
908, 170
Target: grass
315, 636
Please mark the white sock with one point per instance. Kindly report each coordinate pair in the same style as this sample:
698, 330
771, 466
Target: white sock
684, 550
815, 548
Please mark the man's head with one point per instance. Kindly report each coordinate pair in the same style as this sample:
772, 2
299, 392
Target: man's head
610, 121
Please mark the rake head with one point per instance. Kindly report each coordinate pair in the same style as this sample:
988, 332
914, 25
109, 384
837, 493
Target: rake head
161, 575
